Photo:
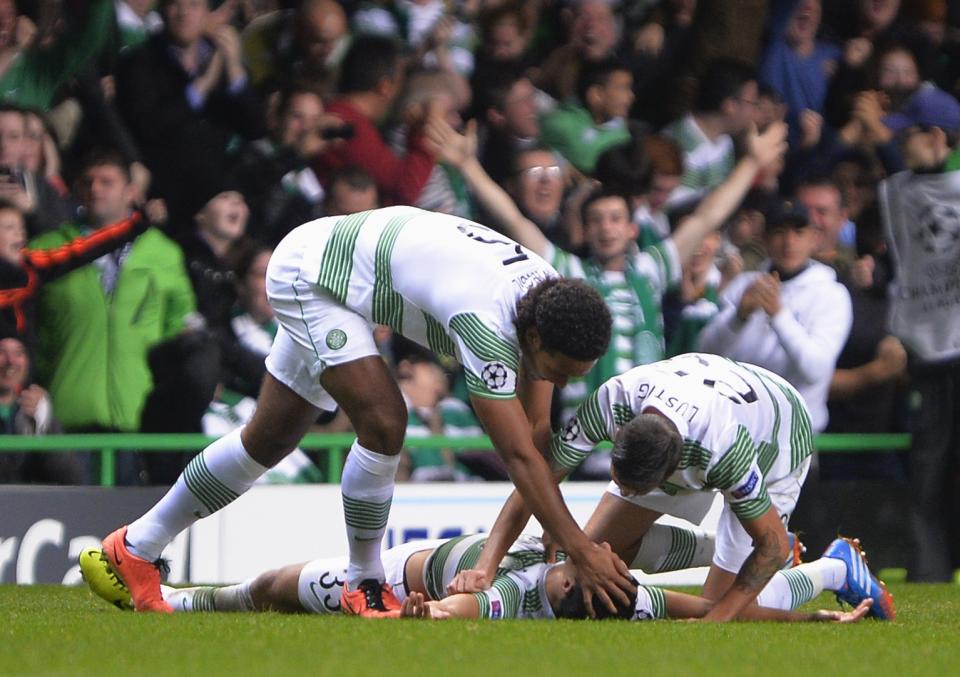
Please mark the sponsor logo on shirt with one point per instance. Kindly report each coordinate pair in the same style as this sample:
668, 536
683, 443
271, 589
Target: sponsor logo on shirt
747, 487
496, 609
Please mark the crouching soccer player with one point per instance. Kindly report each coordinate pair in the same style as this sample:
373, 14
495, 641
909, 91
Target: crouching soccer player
526, 586
682, 429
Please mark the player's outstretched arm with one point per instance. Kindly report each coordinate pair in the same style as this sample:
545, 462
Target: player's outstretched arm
600, 571
416, 605
683, 606
718, 205
770, 548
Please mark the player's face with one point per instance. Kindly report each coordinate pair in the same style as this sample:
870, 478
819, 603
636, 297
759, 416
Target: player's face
557, 368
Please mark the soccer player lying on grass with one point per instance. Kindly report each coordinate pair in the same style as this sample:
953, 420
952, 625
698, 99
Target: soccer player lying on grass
526, 586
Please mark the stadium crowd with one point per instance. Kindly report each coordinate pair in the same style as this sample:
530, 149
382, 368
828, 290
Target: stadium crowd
153, 153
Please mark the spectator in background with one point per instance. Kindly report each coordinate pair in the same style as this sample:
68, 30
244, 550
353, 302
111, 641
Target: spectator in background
725, 106
253, 322
505, 35
791, 317
650, 168
349, 191
305, 44
745, 231
581, 131
219, 227
371, 76
659, 47
274, 173
25, 409
185, 94
795, 63
33, 195
136, 21
866, 395
426, 392
444, 190
689, 308
536, 184
31, 74
824, 202
97, 324
41, 156
24, 271
507, 111
594, 37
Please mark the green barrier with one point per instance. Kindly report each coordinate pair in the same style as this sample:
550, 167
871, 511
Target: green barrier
338, 444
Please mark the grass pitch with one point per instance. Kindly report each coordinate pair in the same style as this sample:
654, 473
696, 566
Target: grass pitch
59, 630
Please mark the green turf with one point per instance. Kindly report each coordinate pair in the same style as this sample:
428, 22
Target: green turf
57, 630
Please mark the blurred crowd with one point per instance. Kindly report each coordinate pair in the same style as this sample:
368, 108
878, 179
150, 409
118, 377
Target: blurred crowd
152, 153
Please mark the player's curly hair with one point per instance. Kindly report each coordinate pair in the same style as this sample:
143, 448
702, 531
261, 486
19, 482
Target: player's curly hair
569, 315
646, 452
573, 606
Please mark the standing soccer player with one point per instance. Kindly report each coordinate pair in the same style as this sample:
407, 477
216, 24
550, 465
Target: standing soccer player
452, 285
683, 428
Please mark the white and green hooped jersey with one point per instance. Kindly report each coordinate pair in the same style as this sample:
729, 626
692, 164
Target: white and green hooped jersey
518, 590
447, 283
743, 427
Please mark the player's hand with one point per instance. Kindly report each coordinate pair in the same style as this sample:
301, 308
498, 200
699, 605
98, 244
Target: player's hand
844, 616
550, 548
469, 581
603, 577
413, 606
768, 147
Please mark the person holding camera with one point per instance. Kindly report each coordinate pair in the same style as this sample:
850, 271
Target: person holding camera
371, 77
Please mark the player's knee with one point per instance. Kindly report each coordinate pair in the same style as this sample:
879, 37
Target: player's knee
382, 429
263, 591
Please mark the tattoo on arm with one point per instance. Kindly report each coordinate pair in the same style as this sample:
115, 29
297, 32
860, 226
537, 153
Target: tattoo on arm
761, 565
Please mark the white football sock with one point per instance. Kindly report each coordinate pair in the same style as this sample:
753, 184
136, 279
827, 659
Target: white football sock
207, 598
367, 490
791, 588
213, 479
670, 548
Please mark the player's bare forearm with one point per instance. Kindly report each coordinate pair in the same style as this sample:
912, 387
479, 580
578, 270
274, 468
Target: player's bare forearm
509, 430
765, 560
510, 522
